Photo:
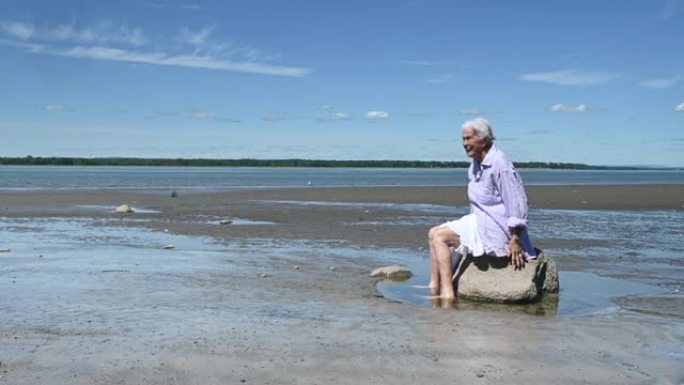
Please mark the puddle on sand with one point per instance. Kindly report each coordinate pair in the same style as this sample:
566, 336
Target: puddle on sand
581, 293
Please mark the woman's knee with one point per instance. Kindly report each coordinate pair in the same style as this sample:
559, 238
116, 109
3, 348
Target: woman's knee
432, 233
440, 235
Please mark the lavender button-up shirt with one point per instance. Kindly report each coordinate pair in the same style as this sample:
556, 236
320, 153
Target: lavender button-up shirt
497, 198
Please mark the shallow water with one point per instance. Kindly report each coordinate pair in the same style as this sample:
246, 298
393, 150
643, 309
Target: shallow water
641, 252
67, 177
622, 236
71, 269
62, 274
581, 293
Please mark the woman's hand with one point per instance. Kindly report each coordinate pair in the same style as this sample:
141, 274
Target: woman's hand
516, 252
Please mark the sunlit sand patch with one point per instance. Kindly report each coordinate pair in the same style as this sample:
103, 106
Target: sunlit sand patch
241, 222
110, 209
420, 207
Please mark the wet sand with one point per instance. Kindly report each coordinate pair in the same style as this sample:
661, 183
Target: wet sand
282, 296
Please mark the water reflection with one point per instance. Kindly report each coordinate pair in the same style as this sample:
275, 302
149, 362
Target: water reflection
581, 293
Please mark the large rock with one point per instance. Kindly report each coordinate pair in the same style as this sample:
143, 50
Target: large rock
393, 272
492, 279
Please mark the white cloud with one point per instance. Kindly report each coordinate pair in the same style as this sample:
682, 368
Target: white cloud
660, 83
420, 114
17, 30
679, 107
206, 116
162, 114
340, 116
55, 108
422, 63
188, 61
440, 79
472, 111
335, 117
377, 115
570, 77
174, 4
100, 34
580, 108
671, 8
68, 41
196, 37
275, 117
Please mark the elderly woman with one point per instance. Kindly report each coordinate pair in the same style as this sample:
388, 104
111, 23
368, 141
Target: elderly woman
497, 222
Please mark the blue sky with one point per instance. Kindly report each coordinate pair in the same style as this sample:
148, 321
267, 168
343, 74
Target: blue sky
597, 82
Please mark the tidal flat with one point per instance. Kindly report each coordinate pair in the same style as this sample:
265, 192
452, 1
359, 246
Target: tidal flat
281, 294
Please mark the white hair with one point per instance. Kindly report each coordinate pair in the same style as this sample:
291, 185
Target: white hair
482, 128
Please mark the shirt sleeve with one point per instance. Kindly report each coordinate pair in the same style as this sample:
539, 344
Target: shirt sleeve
513, 197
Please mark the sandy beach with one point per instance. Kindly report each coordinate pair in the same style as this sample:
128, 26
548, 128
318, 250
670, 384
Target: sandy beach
282, 294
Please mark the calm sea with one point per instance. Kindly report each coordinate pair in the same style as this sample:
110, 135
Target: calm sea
64, 177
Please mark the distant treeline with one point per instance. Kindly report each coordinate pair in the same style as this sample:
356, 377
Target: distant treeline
179, 162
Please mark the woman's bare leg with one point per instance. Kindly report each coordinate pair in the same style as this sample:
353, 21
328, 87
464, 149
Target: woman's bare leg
441, 238
434, 269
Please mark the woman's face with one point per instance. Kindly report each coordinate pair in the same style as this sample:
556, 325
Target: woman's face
474, 146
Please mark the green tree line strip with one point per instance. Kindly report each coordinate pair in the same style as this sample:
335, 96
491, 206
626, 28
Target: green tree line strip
180, 162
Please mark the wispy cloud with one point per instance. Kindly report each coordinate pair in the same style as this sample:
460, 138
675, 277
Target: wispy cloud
472, 111
440, 79
679, 107
335, 117
160, 4
420, 115
671, 8
100, 44
162, 114
422, 63
539, 132
324, 106
580, 108
662, 83
570, 77
198, 37
377, 115
102, 33
276, 117
206, 116
56, 108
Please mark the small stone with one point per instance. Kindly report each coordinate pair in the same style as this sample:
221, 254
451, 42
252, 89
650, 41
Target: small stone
124, 209
480, 375
393, 272
226, 221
